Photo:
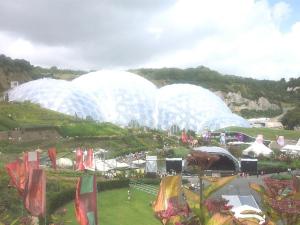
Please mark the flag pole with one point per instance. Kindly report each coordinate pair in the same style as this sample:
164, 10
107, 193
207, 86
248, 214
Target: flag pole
45, 200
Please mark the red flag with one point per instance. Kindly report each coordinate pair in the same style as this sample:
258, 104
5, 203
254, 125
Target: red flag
16, 171
184, 137
31, 161
35, 193
79, 160
52, 156
89, 161
86, 200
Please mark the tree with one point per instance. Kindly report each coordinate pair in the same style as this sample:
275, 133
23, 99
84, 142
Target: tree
201, 161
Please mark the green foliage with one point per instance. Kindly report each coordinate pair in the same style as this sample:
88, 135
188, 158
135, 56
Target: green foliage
181, 152
274, 91
11, 205
7, 123
115, 209
269, 166
112, 184
292, 118
66, 192
282, 176
88, 129
268, 133
26, 114
259, 113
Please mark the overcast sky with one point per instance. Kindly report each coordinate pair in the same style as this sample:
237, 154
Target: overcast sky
252, 38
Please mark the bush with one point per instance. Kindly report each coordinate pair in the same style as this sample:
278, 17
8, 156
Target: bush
112, 184
151, 181
282, 176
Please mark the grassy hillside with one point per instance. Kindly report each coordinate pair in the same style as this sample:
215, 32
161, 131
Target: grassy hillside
73, 132
22, 71
26, 114
268, 133
274, 91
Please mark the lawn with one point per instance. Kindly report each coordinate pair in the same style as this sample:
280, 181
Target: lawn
115, 209
268, 133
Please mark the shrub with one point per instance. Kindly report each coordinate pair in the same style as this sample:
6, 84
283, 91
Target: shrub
112, 184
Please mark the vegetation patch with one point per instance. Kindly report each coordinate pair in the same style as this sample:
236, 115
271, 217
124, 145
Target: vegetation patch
114, 208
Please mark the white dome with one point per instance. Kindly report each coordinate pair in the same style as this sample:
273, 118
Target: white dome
192, 107
57, 95
123, 97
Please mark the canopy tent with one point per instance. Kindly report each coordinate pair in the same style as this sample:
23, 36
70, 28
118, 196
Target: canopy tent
113, 163
64, 163
291, 149
102, 166
258, 149
138, 162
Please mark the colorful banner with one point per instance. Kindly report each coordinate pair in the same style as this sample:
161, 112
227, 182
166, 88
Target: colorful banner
52, 157
31, 161
35, 193
17, 173
184, 137
79, 160
86, 200
170, 201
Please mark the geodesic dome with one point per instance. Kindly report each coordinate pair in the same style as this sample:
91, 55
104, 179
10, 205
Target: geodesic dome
123, 98
192, 107
57, 95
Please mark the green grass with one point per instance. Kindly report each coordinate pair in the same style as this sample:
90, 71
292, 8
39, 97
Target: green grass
85, 128
115, 209
268, 133
181, 152
27, 114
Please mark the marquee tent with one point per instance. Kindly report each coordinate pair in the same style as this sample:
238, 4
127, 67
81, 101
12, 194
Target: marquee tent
258, 149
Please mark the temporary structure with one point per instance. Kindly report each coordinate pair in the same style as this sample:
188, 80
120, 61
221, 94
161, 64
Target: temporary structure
64, 163
258, 149
291, 149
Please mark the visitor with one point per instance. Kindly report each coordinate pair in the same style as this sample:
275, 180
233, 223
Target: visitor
129, 195
222, 138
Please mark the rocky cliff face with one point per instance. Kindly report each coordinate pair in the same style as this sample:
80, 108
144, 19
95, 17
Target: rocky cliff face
236, 102
6, 77
14, 70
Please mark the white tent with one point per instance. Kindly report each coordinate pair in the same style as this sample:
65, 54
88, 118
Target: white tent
257, 149
113, 163
139, 162
291, 149
64, 163
102, 166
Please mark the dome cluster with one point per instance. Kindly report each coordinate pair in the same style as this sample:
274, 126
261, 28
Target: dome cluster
123, 98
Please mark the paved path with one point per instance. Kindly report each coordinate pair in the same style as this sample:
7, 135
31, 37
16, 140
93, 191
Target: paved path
238, 186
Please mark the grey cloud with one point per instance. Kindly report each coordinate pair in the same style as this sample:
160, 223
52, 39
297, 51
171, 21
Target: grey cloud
104, 32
